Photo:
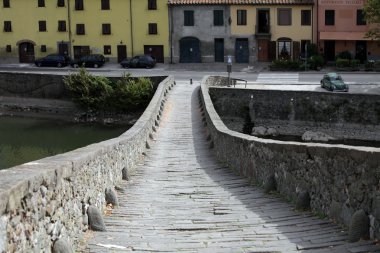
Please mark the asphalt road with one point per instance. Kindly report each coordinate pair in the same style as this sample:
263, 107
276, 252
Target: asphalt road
360, 82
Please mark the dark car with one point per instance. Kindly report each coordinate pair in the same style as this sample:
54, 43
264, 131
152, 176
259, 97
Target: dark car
333, 82
91, 60
53, 60
139, 61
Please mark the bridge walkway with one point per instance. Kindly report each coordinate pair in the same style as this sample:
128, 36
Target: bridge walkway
181, 199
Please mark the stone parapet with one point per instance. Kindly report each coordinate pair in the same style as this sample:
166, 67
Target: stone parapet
335, 180
44, 200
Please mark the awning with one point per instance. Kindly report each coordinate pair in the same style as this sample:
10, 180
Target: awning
342, 36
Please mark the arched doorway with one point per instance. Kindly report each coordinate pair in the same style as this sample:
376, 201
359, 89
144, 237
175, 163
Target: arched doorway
189, 50
26, 52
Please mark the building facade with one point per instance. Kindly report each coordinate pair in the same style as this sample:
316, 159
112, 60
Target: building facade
267, 32
35, 28
200, 33
248, 31
342, 27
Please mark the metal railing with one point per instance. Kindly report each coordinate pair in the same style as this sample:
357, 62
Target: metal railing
235, 80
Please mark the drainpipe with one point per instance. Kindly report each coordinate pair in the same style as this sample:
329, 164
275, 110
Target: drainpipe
318, 27
131, 17
69, 25
171, 32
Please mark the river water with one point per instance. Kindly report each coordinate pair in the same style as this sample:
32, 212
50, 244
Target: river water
26, 139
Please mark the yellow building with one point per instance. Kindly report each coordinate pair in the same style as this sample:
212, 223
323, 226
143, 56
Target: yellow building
115, 28
272, 31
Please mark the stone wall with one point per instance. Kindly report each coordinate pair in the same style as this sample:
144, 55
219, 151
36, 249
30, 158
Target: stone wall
339, 180
343, 115
44, 200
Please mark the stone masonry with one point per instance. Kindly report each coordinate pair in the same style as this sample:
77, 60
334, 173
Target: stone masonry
339, 180
181, 199
46, 200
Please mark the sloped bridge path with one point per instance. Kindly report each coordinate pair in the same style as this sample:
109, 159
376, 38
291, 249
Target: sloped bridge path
181, 199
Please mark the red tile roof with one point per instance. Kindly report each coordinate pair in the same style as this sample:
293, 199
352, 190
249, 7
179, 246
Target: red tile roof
241, 2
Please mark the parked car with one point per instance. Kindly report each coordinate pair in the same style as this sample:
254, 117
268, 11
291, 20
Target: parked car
91, 60
139, 61
53, 60
334, 82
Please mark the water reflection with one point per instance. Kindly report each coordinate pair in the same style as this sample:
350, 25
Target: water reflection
25, 139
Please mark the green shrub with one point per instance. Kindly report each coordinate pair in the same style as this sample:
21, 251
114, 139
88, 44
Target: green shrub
354, 63
87, 90
285, 65
377, 63
101, 94
131, 94
342, 63
344, 55
312, 49
316, 61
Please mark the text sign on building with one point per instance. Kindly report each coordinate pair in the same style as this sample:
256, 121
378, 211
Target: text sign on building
342, 2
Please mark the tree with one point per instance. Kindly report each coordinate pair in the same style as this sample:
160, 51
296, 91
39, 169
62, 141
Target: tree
372, 16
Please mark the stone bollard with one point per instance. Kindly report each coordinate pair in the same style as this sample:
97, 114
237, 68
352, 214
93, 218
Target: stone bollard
111, 197
62, 246
270, 184
95, 219
359, 226
303, 201
125, 174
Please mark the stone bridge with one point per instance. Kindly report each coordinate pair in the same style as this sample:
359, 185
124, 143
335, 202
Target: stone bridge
174, 194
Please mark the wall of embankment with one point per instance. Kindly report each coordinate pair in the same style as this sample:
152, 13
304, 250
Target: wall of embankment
44, 203
340, 181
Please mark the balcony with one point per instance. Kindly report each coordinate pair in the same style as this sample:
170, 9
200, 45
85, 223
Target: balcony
262, 32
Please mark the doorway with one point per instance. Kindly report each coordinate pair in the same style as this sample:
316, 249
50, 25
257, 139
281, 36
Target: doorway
361, 51
219, 50
80, 51
263, 47
189, 50
241, 51
121, 53
26, 52
63, 48
329, 47
157, 51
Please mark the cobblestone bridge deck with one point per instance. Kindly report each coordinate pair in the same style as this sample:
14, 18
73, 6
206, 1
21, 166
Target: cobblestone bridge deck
182, 200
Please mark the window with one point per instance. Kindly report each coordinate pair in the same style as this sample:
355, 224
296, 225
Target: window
106, 29
42, 26
284, 16
80, 29
6, 4
284, 48
41, 3
241, 17
61, 26
7, 26
329, 17
188, 18
152, 4
79, 5
105, 4
8, 48
107, 49
152, 28
218, 18
43, 48
61, 3
360, 18
305, 17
